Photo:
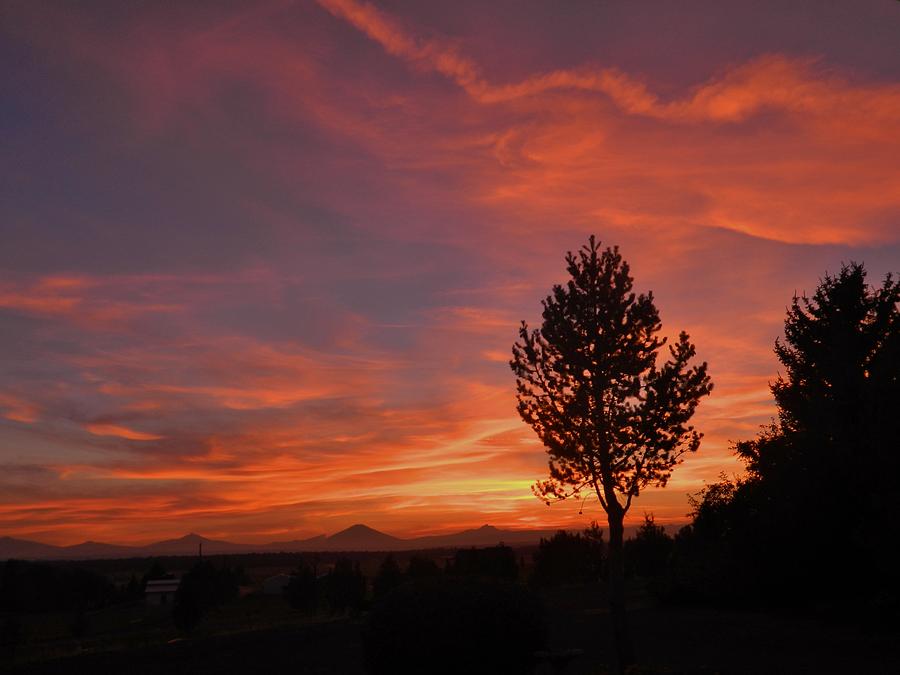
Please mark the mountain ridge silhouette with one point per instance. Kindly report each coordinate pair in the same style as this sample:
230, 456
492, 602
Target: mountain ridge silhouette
357, 537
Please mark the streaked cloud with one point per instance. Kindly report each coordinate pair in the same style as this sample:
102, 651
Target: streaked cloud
101, 429
263, 266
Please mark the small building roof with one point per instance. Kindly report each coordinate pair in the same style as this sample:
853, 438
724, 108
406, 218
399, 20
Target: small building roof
162, 585
278, 577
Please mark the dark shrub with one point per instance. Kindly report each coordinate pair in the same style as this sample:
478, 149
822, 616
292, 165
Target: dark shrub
701, 573
11, 635
134, 590
568, 559
345, 586
40, 587
649, 553
388, 577
302, 591
188, 611
711, 566
422, 568
494, 562
455, 626
201, 589
79, 625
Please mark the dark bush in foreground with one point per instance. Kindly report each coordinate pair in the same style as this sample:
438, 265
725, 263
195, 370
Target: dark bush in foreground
569, 558
492, 562
302, 591
345, 586
41, 587
422, 568
455, 626
202, 588
388, 578
648, 554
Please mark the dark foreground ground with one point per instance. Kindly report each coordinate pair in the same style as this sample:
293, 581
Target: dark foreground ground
668, 640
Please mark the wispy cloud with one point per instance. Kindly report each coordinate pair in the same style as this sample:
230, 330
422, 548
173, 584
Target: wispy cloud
262, 268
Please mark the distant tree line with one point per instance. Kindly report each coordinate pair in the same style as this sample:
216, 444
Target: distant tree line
344, 586
574, 558
30, 587
41, 587
203, 588
470, 616
474, 611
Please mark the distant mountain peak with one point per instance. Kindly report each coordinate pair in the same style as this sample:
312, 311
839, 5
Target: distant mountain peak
360, 534
358, 528
191, 537
357, 537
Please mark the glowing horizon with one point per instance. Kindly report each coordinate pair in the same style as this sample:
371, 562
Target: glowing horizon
263, 264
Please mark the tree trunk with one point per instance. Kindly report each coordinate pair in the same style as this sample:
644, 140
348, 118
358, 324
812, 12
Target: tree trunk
618, 616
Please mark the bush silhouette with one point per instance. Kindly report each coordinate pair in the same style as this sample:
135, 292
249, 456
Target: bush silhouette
201, 589
302, 591
40, 587
455, 626
493, 562
11, 634
649, 553
422, 568
345, 586
567, 559
388, 577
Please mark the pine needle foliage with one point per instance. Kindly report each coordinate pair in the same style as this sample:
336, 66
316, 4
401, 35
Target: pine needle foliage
612, 418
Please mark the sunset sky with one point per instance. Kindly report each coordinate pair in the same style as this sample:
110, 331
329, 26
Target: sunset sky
262, 263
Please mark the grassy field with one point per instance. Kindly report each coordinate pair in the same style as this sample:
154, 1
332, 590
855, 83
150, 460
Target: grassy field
702, 640
257, 634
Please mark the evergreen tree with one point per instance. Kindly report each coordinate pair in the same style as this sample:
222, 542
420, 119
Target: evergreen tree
302, 591
568, 558
345, 586
647, 554
420, 567
829, 462
388, 577
612, 420
202, 588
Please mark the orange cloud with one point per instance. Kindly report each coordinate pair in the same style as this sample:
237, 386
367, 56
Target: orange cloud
818, 177
100, 429
771, 81
87, 301
16, 409
356, 367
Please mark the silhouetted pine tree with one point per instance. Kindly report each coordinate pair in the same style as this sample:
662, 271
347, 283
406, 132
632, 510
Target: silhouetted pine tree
823, 477
612, 420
